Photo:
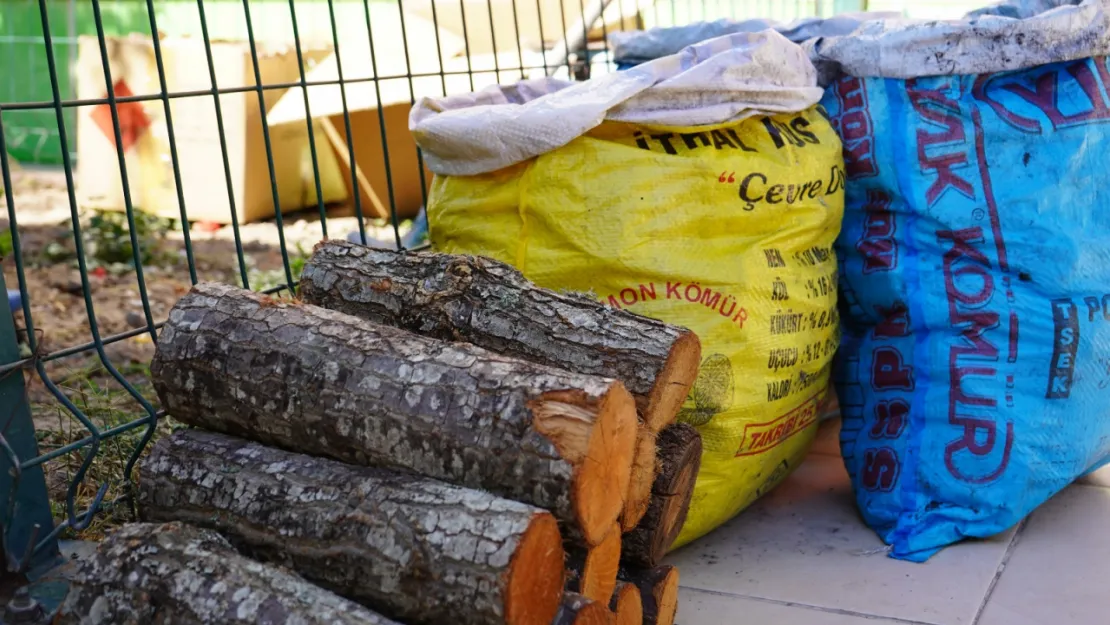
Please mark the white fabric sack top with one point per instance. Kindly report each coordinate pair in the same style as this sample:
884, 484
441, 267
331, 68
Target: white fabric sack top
1007, 37
1021, 9
725, 79
643, 45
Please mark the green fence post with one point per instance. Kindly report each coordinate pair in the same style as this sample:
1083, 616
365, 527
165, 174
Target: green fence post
25, 517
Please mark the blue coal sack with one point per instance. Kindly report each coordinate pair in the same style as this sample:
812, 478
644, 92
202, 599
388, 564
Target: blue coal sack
974, 369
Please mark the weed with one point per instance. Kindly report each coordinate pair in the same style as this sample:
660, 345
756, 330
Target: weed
274, 278
6, 247
107, 406
107, 238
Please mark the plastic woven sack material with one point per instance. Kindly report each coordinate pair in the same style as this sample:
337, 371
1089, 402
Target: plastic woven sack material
974, 370
637, 46
726, 79
988, 41
705, 190
1021, 9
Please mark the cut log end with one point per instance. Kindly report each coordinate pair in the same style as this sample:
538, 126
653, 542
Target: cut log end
675, 509
535, 577
599, 573
679, 449
679, 492
578, 610
643, 476
673, 383
627, 605
607, 469
666, 596
658, 592
599, 440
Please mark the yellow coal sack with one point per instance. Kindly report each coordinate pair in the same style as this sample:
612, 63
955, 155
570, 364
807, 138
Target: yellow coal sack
725, 227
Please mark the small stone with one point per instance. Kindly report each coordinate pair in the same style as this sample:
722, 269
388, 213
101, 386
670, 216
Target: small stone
71, 287
135, 320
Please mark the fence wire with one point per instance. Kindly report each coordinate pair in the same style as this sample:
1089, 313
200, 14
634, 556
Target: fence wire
124, 112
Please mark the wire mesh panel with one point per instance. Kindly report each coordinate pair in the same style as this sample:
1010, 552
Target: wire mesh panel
216, 140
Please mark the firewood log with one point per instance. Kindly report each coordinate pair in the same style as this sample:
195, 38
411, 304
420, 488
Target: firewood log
490, 304
626, 604
324, 383
416, 549
638, 499
578, 610
148, 574
658, 592
679, 458
592, 572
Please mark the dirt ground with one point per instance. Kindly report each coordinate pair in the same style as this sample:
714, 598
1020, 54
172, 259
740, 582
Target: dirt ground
61, 320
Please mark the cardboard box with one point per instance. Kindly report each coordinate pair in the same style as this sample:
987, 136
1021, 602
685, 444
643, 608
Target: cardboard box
369, 161
377, 96
511, 20
367, 119
146, 140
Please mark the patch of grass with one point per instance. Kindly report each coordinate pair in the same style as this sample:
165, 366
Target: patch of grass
6, 246
107, 405
265, 280
107, 238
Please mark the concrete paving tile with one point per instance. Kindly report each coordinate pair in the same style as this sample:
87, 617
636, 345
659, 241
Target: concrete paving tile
698, 607
805, 543
1098, 478
1059, 567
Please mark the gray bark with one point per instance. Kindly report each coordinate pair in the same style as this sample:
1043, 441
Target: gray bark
325, 383
490, 304
417, 549
678, 457
175, 574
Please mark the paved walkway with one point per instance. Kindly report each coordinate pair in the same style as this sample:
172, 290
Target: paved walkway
802, 556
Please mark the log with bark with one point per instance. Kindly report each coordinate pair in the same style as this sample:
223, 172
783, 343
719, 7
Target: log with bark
417, 549
321, 382
592, 572
679, 459
148, 574
658, 592
627, 605
490, 304
578, 610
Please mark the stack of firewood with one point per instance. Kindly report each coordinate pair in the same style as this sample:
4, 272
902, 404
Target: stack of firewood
433, 437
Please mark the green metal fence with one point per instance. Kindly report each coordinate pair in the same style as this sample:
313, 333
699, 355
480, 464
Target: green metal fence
76, 406
33, 134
